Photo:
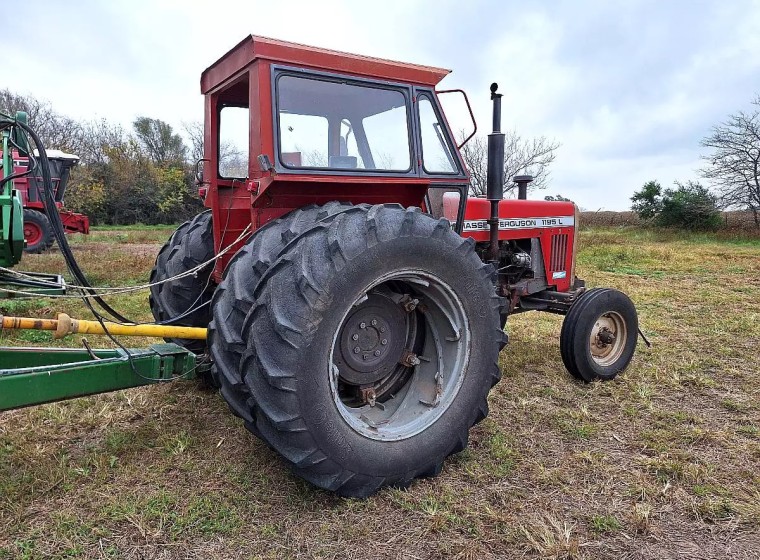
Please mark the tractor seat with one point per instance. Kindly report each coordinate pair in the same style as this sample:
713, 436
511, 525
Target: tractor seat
451, 206
343, 162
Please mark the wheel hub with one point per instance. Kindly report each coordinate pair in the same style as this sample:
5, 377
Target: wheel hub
608, 337
417, 373
371, 341
32, 233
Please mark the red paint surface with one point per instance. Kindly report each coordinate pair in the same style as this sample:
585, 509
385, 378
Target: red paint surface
254, 47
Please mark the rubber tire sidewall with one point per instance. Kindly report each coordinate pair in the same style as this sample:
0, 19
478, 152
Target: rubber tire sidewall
233, 297
162, 305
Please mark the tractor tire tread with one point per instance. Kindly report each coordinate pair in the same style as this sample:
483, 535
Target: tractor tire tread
568, 333
235, 297
276, 328
191, 244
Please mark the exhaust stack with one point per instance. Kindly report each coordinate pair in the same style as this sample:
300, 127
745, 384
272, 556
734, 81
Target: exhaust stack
495, 175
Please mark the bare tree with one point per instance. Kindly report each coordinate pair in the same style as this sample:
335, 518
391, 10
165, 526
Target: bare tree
194, 132
98, 138
55, 130
231, 159
733, 166
521, 157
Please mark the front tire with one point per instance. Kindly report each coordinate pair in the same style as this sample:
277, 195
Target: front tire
598, 335
190, 245
354, 422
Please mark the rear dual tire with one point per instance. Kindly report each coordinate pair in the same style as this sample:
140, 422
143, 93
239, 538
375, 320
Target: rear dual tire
235, 296
187, 298
300, 386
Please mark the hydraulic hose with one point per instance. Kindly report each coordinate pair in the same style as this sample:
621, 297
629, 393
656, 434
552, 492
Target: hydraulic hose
48, 199
65, 325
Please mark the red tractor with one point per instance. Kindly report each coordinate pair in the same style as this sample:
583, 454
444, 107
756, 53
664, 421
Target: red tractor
358, 296
38, 232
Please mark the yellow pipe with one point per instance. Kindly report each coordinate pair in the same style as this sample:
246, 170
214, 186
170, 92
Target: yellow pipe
65, 325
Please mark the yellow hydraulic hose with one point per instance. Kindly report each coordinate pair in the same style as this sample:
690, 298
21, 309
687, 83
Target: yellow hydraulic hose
65, 325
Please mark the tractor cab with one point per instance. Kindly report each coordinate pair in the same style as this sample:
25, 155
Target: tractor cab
290, 125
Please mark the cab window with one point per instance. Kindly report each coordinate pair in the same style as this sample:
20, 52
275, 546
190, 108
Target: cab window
233, 142
342, 125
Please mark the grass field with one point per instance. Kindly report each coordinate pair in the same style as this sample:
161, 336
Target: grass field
663, 462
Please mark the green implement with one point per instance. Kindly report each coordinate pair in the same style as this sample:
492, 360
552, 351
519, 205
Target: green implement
31, 376
43, 375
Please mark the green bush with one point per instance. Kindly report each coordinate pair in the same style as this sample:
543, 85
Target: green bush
689, 206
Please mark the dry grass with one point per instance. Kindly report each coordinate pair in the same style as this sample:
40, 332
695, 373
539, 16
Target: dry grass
661, 463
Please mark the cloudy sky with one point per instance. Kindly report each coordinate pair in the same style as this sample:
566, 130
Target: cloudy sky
627, 88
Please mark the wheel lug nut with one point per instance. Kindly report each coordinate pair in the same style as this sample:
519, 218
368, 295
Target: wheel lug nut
356, 350
374, 322
362, 325
384, 341
382, 329
377, 352
355, 337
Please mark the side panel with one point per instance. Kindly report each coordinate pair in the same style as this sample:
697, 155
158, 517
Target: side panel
42, 375
74, 222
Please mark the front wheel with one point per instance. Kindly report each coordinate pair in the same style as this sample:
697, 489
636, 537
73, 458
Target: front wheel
598, 335
373, 344
38, 232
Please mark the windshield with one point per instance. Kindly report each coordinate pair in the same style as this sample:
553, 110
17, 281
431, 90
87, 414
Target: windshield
341, 125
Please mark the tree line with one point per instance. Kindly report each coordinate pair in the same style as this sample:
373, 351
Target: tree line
140, 175
145, 174
732, 170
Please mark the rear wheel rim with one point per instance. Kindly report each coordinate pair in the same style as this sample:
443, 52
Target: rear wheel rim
32, 233
390, 401
608, 338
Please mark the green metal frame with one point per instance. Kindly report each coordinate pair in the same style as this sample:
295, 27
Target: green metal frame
12, 226
11, 210
43, 375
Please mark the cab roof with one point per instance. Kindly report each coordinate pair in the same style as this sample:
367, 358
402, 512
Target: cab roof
254, 47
